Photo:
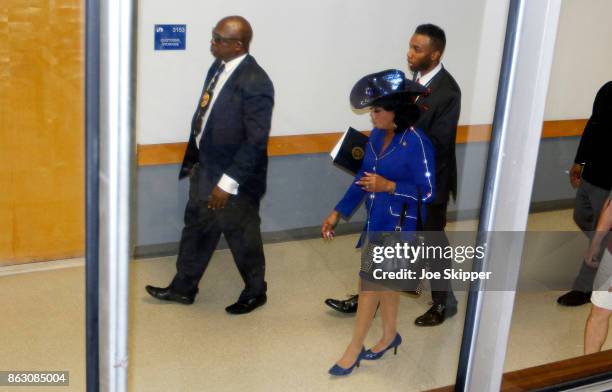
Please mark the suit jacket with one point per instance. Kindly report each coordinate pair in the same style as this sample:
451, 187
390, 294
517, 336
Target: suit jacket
235, 138
409, 162
596, 140
439, 122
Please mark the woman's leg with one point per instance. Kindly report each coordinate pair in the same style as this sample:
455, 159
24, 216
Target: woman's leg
389, 303
368, 301
596, 329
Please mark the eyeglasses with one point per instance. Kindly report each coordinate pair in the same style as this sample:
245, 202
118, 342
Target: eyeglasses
217, 38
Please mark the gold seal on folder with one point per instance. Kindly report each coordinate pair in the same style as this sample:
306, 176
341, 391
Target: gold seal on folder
357, 153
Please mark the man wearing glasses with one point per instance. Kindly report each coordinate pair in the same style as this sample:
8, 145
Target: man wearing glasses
226, 161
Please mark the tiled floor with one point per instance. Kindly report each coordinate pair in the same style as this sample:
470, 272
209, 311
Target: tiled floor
287, 345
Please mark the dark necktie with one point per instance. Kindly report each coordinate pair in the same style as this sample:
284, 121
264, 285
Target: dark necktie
206, 98
415, 78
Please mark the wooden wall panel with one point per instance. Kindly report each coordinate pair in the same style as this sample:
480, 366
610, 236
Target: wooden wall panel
41, 134
170, 153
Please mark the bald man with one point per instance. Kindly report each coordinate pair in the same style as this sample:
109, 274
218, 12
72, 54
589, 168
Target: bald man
226, 161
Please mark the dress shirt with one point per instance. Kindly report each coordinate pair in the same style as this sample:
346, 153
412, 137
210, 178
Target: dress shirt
425, 79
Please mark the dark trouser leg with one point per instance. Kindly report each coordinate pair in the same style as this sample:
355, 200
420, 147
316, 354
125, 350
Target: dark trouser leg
435, 222
199, 240
584, 280
589, 201
240, 223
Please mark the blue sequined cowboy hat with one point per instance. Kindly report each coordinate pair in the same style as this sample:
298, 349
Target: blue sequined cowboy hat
388, 84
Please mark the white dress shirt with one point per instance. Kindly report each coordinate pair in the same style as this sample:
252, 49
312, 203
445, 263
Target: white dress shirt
227, 183
424, 80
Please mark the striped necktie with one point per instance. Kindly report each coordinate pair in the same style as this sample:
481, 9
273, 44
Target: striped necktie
206, 98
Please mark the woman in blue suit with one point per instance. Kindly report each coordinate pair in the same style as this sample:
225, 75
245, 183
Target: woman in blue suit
397, 170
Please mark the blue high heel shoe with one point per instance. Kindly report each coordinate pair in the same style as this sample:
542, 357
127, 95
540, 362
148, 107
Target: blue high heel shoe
338, 370
372, 356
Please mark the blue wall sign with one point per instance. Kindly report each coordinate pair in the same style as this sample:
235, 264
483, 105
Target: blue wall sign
170, 37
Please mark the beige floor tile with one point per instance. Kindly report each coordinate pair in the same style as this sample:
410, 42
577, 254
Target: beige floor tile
287, 345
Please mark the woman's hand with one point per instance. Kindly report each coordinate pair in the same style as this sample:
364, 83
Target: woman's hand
371, 182
327, 229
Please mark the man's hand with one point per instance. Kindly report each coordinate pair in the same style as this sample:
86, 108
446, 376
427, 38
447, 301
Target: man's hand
575, 175
218, 198
371, 182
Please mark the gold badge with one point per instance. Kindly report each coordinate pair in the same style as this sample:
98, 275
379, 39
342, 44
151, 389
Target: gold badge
205, 99
357, 153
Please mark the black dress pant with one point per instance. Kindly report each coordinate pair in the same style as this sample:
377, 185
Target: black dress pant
435, 222
239, 222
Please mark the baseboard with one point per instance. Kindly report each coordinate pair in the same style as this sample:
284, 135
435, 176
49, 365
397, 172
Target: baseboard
270, 237
552, 205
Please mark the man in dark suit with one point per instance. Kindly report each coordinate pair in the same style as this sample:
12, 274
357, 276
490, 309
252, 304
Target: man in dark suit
226, 160
439, 121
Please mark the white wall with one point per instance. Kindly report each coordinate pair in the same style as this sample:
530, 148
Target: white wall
583, 58
315, 50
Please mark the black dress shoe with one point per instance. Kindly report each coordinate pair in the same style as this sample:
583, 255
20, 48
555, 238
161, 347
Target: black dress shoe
348, 305
574, 298
435, 315
167, 294
247, 306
